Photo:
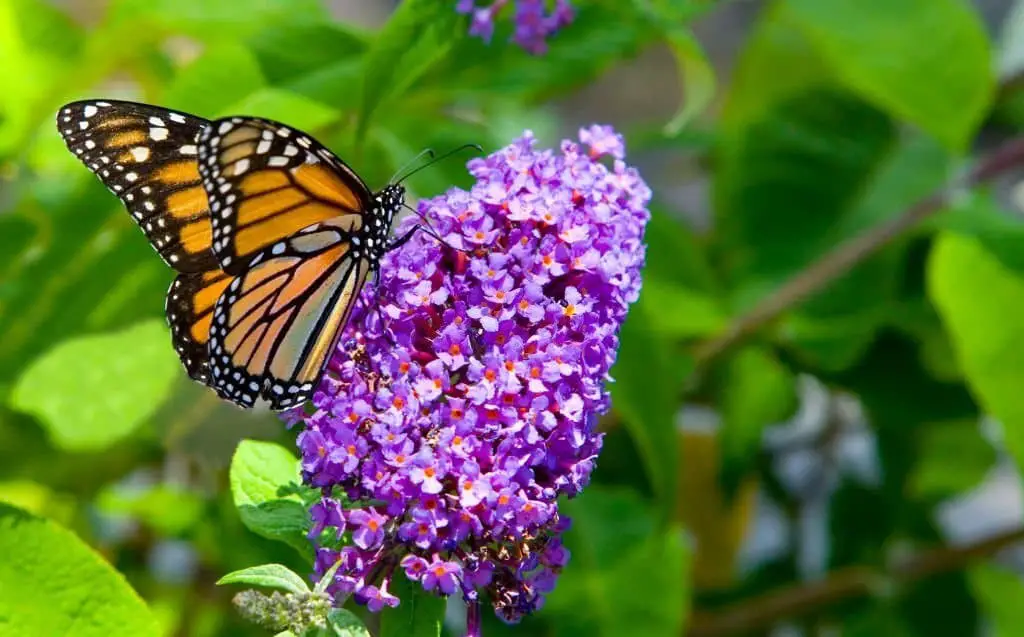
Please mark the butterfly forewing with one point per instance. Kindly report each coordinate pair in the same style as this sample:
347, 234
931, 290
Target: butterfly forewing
275, 326
267, 182
147, 156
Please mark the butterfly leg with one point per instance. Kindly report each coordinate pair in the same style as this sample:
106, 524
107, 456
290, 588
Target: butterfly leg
385, 332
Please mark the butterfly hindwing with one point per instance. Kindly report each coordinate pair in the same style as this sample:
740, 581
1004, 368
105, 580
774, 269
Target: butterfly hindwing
267, 181
276, 324
148, 157
189, 309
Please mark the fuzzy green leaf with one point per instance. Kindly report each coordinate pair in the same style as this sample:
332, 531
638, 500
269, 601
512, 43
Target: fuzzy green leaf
54, 584
92, 391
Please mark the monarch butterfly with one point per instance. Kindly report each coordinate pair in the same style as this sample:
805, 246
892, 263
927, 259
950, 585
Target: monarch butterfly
271, 234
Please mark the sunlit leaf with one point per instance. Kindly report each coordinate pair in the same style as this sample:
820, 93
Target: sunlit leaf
614, 540
54, 584
92, 391
896, 53
263, 477
987, 329
268, 576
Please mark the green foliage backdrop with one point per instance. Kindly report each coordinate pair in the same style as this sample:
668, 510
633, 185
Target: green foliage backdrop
863, 251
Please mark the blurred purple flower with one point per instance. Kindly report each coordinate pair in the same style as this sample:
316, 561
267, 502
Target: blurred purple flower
534, 21
451, 425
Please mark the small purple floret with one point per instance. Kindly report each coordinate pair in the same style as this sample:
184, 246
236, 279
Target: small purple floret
534, 21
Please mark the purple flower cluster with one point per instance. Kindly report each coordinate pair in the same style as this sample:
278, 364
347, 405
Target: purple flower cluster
463, 398
534, 21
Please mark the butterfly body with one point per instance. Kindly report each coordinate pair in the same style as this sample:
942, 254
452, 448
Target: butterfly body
272, 235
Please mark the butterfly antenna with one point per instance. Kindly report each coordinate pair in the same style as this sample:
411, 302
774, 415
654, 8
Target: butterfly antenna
429, 229
429, 152
433, 160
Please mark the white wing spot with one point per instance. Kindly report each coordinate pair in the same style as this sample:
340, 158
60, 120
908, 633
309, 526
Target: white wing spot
263, 147
131, 176
140, 153
225, 127
89, 110
156, 121
277, 161
158, 134
82, 125
291, 150
188, 149
90, 144
241, 166
175, 117
278, 248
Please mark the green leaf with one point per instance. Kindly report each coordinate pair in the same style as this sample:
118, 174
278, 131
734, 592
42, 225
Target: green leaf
169, 510
757, 391
291, 49
268, 576
263, 479
952, 457
211, 20
697, 79
280, 104
998, 591
54, 584
42, 43
980, 215
897, 54
229, 66
629, 575
418, 35
51, 290
420, 614
92, 391
987, 329
774, 221
345, 624
648, 380
682, 312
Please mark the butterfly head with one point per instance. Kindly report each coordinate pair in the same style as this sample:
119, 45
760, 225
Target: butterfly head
391, 199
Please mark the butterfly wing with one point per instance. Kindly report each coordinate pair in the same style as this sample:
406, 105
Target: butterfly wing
275, 326
189, 309
147, 156
268, 181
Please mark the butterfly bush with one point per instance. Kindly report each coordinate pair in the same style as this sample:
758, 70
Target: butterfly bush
463, 398
534, 21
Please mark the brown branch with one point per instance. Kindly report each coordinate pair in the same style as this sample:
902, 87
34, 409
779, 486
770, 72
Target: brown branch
833, 265
762, 612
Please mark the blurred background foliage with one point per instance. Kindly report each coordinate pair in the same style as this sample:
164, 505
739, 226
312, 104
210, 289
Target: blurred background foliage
818, 422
